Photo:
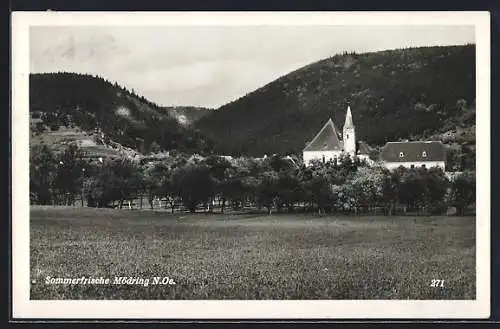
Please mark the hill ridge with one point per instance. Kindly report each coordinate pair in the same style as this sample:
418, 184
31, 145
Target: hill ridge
403, 92
90, 102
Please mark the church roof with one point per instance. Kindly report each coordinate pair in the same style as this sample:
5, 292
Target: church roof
326, 140
413, 151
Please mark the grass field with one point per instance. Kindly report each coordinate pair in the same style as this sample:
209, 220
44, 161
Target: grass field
251, 256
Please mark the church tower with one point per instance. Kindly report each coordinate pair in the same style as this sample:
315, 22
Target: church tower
349, 134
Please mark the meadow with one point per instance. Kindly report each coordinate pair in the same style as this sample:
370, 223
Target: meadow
251, 256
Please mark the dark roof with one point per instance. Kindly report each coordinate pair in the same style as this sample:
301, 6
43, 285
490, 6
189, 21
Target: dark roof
363, 148
326, 140
413, 151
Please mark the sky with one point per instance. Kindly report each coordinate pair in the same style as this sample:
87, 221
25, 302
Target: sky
210, 66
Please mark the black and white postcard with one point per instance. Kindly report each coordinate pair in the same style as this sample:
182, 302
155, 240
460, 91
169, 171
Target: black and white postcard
230, 165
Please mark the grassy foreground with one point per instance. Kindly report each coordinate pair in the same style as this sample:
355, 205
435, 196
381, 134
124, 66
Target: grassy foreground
251, 256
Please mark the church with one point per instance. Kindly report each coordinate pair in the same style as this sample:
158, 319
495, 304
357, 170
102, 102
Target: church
326, 145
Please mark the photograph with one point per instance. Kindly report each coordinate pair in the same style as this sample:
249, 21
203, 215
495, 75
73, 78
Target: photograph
251, 158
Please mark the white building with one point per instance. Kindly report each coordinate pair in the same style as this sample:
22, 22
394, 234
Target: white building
326, 145
413, 154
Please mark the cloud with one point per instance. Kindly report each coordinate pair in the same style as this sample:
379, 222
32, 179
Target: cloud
210, 66
211, 83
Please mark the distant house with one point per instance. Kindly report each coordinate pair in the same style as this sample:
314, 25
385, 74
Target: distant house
326, 145
413, 154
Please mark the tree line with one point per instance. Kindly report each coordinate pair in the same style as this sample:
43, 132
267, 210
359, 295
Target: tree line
273, 184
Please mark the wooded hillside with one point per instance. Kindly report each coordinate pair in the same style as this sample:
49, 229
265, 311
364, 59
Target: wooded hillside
90, 102
406, 93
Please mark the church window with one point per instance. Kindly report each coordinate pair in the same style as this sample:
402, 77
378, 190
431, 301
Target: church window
424, 154
401, 154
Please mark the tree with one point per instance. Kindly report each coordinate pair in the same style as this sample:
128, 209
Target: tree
154, 179
42, 173
125, 178
346, 166
368, 185
220, 170
289, 189
411, 188
117, 179
96, 192
318, 180
70, 173
245, 181
347, 198
463, 191
161, 183
193, 184
453, 159
267, 189
167, 189
390, 195
436, 185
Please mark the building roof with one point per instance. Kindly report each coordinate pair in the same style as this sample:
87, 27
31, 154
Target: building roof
413, 151
326, 140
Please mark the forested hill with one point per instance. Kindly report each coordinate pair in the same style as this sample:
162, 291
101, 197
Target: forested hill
187, 115
88, 102
394, 94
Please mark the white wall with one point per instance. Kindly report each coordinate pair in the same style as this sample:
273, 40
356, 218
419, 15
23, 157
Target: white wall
428, 164
318, 155
349, 142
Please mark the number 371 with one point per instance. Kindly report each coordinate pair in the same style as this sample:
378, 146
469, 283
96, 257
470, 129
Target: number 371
437, 283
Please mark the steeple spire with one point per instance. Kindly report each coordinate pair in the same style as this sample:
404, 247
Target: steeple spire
348, 118
349, 134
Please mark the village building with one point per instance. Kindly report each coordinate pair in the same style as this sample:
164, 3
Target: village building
326, 145
413, 154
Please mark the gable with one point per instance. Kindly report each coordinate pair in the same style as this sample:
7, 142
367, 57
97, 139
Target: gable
413, 152
326, 140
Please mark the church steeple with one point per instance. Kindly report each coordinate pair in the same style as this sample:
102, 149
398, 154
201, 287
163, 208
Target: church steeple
349, 134
348, 119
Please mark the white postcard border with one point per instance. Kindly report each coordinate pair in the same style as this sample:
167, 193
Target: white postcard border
23, 307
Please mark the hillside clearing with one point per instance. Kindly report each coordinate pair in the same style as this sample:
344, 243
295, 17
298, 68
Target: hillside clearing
251, 256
